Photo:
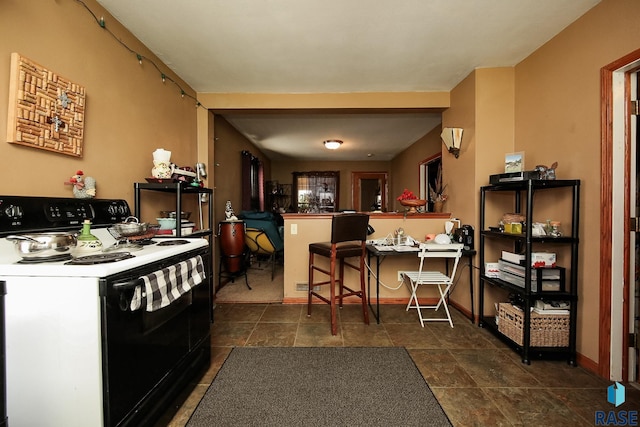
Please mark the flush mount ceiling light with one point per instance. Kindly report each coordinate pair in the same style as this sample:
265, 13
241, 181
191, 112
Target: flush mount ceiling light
332, 144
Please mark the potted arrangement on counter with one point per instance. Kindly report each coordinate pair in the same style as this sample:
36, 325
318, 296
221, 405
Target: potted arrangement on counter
436, 192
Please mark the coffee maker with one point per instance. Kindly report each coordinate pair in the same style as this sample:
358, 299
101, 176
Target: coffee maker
464, 234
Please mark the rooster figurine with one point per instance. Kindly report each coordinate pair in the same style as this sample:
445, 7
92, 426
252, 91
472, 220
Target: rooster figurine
83, 187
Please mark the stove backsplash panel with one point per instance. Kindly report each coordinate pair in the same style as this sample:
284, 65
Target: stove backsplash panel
24, 214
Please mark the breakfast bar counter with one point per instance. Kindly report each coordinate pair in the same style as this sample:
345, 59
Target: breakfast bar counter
302, 229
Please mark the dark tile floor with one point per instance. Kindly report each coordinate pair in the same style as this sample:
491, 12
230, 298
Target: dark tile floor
476, 378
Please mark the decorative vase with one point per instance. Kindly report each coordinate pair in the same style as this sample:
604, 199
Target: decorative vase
412, 204
437, 206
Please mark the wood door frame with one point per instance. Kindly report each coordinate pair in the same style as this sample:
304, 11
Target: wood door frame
356, 186
607, 204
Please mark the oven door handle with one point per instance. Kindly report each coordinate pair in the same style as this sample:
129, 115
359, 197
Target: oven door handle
129, 284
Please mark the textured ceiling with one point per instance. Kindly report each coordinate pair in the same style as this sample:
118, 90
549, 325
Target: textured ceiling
321, 46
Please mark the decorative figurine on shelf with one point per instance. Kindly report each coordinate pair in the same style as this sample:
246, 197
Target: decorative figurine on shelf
83, 187
162, 166
546, 172
228, 212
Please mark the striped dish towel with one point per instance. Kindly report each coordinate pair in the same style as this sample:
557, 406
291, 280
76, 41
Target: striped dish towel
164, 286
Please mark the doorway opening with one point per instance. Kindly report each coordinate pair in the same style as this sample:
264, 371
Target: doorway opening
369, 191
428, 176
617, 358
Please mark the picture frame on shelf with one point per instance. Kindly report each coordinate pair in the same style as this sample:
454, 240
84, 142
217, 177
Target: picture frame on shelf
514, 162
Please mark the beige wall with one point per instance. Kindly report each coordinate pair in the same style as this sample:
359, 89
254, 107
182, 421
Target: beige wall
548, 106
406, 169
227, 168
483, 105
129, 111
557, 118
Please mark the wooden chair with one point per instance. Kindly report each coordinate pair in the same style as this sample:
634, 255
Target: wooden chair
348, 240
440, 280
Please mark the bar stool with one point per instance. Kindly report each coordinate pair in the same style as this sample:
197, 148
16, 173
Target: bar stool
348, 240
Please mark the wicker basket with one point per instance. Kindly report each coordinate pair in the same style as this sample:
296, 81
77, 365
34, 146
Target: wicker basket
547, 330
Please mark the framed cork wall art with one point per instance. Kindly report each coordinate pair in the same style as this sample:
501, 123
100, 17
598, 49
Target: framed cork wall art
46, 110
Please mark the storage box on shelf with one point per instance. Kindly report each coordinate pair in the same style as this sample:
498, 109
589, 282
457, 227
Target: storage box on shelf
538, 259
492, 269
546, 330
529, 272
550, 279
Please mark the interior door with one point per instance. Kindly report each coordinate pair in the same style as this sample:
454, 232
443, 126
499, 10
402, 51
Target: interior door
369, 191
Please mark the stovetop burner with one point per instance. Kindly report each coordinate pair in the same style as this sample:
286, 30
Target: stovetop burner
53, 258
100, 258
144, 242
173, 242
123, 246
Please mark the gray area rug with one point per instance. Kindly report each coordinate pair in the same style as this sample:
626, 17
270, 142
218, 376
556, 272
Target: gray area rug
318, 387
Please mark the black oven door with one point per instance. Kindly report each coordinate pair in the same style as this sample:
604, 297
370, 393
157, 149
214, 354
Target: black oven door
144, 349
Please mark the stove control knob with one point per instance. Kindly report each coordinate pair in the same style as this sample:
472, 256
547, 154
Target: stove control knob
13, 211
117, 209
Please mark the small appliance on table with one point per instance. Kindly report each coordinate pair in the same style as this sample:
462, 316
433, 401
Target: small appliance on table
82, 345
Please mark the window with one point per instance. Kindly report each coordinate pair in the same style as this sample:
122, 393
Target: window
316, 192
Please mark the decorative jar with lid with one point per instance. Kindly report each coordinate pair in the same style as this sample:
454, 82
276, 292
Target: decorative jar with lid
87, 242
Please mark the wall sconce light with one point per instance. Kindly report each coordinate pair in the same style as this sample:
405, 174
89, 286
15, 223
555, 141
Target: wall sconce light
332, 144
452, 138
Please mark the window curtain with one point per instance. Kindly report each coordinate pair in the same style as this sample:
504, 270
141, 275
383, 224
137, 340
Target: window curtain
252, 183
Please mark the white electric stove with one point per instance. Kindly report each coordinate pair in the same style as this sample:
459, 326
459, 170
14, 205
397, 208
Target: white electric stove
76, 353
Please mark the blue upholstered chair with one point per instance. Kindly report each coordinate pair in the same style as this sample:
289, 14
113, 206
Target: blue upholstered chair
263, 235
